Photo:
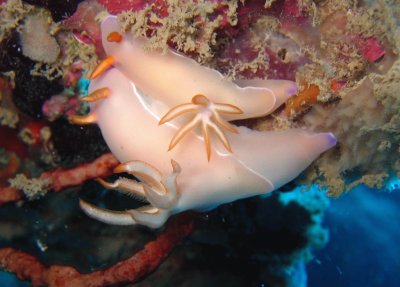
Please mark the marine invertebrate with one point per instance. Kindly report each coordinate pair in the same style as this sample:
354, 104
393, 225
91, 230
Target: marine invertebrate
26, 266
84, 26
305, 98
33, 188
88, 146
129, 101
31, 133
30, 93
37, 42
58, 179
189, 26
273, 71
205, 112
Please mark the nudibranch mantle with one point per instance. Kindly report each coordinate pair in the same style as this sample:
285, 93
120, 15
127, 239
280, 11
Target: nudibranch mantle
142, 87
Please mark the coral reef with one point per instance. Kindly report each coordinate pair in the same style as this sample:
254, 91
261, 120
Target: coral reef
84, 24
56, 179
344, 56
31, 92
191, 26
8, 114
11, 15
215, 252
33, 188
59, 10
37, 42
129, 270
369, 140
88, 147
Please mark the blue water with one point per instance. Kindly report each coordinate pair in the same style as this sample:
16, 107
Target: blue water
10, 280
364, 245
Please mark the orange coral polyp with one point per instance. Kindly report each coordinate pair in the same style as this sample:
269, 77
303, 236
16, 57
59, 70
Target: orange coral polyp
114, 37
305, 98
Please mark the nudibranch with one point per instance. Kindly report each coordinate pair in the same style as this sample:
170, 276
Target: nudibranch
146, 102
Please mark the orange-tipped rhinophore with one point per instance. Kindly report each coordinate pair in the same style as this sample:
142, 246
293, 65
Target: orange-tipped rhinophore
102, 67
98, 94
82, 120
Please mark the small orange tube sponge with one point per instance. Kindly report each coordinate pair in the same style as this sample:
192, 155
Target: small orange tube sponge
304, 99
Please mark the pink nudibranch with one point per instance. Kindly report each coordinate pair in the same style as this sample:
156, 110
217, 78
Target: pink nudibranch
143, 87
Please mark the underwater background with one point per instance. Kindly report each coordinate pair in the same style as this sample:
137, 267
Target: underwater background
361, 249
334, 225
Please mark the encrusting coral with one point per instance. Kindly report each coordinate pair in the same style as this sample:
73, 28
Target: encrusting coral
8, 114
191, 26
366, 120
42, 40
37, 42
11, 15
33, 188
347, 65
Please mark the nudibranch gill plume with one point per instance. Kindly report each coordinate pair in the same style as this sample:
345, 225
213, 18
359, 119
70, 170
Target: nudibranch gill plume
166, 118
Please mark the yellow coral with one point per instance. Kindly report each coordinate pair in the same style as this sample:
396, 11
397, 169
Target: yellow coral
188, 25
33, 188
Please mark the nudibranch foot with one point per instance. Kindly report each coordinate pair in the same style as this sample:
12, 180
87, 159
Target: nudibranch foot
208, 114
160, 191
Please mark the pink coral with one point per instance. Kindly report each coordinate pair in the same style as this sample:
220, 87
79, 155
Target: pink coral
370, 48
84, 25
59, 105
118, 6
